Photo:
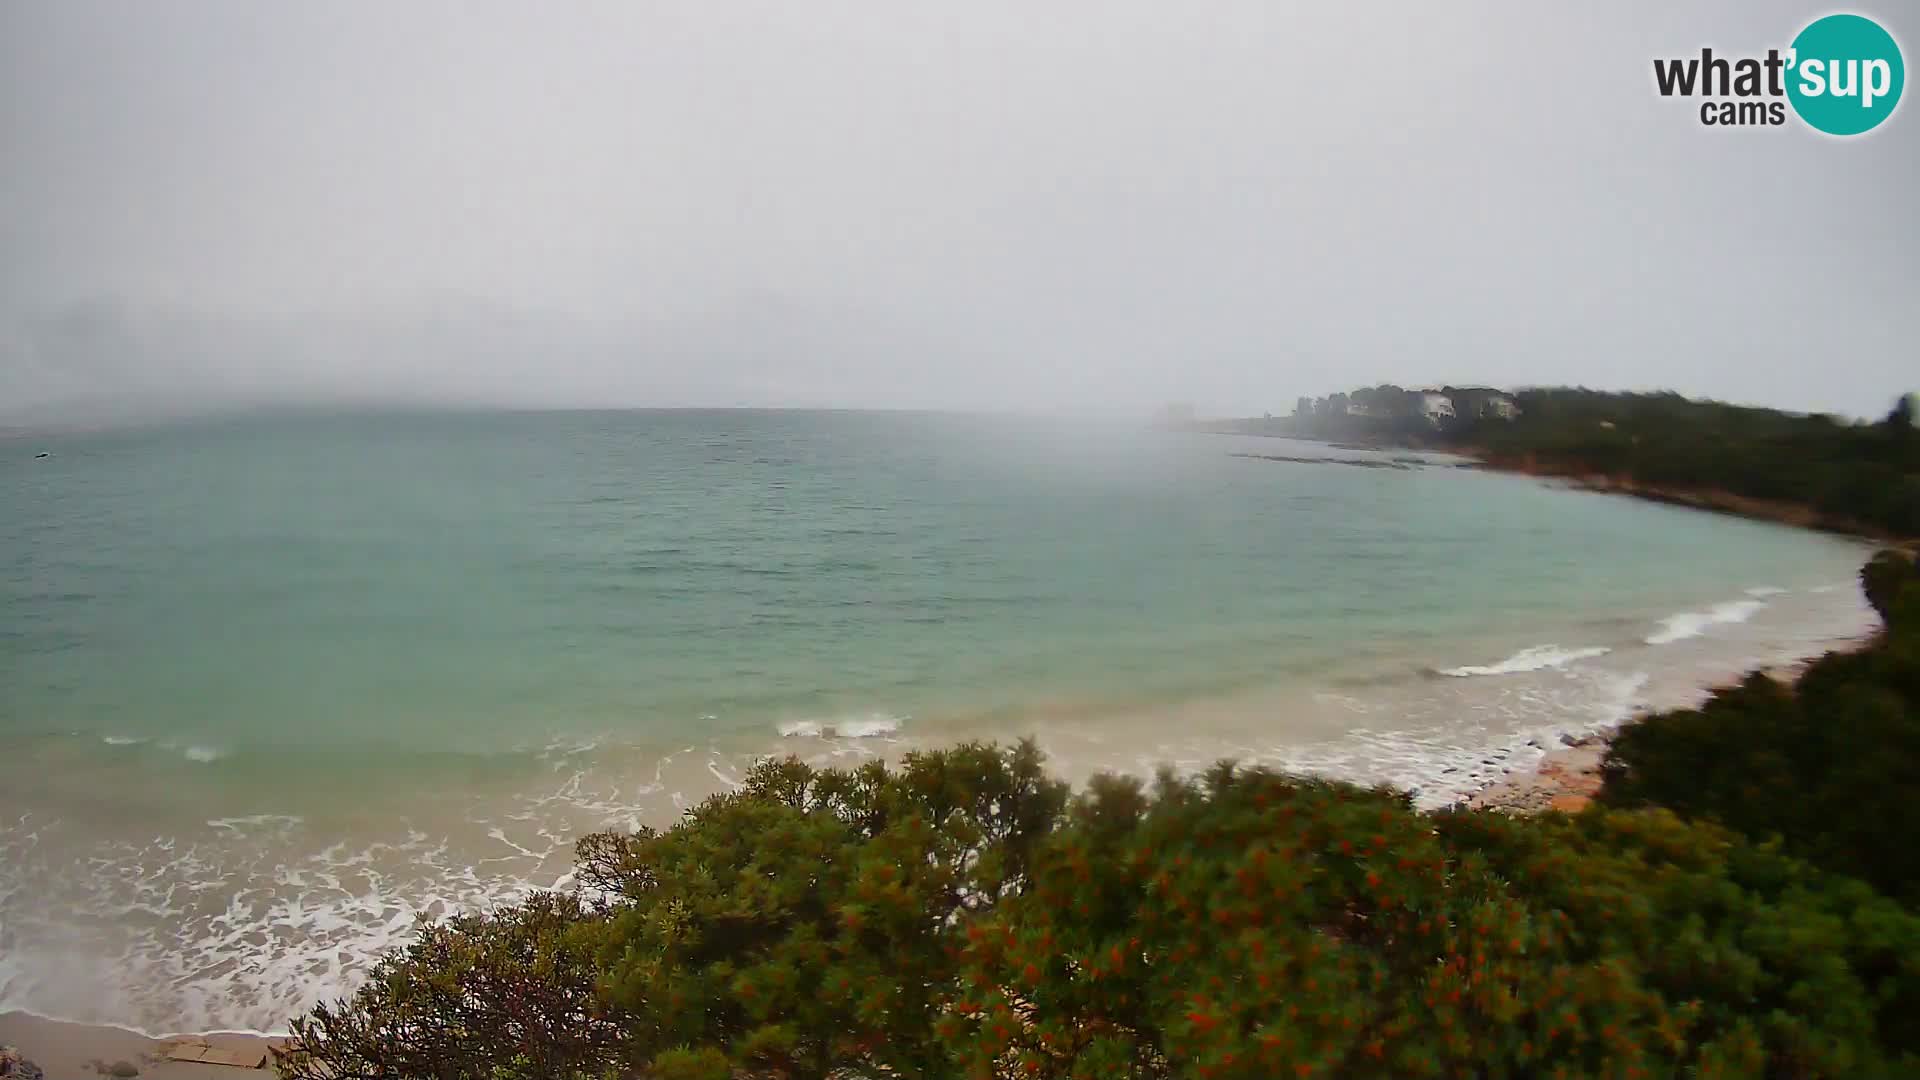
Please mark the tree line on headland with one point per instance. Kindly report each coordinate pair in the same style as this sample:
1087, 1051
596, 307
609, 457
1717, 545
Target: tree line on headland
1740, 902
1862, 477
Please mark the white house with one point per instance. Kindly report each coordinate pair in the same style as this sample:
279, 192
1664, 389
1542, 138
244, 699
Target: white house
1500, 407
1436, 407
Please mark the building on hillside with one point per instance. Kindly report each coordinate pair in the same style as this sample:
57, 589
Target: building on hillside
1482, 402
1436, 407
1499, 407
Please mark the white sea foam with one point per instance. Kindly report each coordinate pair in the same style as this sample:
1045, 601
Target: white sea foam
204, 754
729, 783
1762, 591
1536, 658
1622, 697
870, 726
1443, 755
283, 821
1691, 624
122, 740
244, 921
236, 931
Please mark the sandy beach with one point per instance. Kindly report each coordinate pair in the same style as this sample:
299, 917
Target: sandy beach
64, 1051
1567, 779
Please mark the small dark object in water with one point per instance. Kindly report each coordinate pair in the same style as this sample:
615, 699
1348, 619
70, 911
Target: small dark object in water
42, 454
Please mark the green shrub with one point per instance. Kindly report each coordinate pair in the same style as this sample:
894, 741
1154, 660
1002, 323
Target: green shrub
1855, 475
508, 995
959, 917
1883, 578
800, 925
1741, 946
1253, 925
1825, 765
796, 928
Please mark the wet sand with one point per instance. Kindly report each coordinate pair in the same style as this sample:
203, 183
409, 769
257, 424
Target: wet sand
66, 1051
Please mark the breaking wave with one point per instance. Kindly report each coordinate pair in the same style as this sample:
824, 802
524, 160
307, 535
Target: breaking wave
1691, 624
1535, 658
871, 726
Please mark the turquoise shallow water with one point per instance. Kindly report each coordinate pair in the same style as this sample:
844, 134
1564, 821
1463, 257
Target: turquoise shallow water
271, 687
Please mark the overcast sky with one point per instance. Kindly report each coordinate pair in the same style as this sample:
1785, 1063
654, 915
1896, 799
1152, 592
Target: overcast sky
1096, 207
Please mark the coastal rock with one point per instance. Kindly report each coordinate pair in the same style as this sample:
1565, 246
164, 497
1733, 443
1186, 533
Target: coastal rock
15, 1067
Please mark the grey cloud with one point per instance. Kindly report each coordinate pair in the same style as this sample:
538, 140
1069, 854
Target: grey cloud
1089, 208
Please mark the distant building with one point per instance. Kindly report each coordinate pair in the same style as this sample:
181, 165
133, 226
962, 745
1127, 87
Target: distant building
1436, 407
1499, 407
1482, 402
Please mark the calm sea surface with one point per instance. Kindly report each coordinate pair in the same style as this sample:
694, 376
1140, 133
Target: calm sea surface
271, 689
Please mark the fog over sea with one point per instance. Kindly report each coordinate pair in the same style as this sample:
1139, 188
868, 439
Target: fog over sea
273, 688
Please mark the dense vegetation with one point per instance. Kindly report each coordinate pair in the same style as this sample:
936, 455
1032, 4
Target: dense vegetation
1867, 474
1241, 925
963, 915
1852, 475
1827, 765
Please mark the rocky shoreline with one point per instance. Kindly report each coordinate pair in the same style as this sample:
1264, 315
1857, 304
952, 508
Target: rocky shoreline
1566, 780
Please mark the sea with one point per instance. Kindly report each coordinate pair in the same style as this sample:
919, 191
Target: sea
274, 688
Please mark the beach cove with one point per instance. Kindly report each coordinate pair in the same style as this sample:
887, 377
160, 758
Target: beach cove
498, 686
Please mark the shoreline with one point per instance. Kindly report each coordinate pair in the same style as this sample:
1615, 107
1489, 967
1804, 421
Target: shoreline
67, 1050
1575, 477
1564, 778
1711, 500
1567, 778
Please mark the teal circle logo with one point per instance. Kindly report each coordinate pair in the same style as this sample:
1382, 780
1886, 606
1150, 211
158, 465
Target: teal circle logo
1845, 75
